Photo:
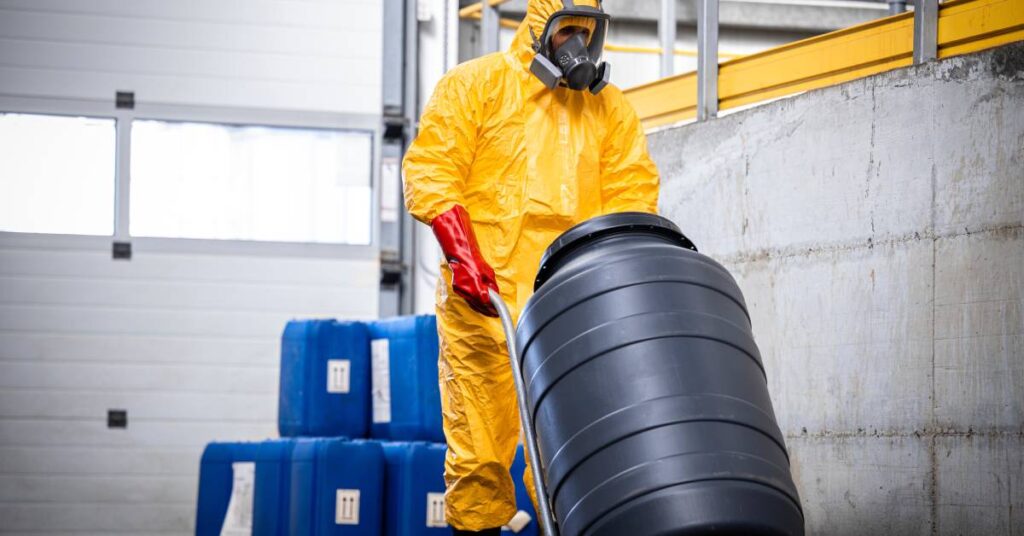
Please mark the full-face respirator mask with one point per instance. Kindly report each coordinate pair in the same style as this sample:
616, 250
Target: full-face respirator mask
576, 63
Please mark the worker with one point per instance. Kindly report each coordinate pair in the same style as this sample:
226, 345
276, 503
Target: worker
514, 148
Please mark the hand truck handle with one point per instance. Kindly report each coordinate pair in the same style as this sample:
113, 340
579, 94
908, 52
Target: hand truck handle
532, 451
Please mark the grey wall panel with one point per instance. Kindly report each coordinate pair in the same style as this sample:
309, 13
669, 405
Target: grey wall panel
187, 343
309, 55
42, 347
99, 461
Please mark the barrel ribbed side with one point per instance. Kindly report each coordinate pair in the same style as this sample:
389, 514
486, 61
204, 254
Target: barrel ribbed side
648, 393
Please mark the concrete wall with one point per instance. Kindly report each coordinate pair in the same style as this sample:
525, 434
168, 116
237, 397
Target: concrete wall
877, 229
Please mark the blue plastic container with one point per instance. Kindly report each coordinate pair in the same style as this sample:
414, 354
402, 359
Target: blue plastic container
406, 400
325, 379
523, 501
336, 488
217, 482
415, 489
273, 490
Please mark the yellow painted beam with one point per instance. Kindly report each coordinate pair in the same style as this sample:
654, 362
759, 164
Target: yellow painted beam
964, 26
503, 22
657, 50
967, 26
477, 8
819, 61
666, 101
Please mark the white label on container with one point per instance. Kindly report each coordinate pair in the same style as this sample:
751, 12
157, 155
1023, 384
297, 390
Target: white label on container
435, 511
380, 353
238, 520
346, 507
338, 372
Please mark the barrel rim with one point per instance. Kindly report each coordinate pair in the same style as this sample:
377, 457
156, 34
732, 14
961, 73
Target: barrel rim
606, 225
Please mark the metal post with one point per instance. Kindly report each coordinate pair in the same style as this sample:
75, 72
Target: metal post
926, 23
667, 33
707, 59
490, 36
412, 114
897, 6
122, 190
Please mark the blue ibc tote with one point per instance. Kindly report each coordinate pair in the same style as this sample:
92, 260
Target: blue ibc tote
415, 489
217, 483
273, 490
337, 488
325, 373
406, 400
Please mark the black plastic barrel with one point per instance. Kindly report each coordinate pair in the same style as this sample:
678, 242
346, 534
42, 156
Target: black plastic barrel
647, 390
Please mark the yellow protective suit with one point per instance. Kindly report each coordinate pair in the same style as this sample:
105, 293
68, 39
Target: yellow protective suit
527, 163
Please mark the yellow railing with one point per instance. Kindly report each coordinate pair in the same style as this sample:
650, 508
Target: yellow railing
473, 11
964, 26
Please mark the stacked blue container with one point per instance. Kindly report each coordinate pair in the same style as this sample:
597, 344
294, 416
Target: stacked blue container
415, 489
406, 405
226, 472
337, 488
320, 479
273, 487
325, 373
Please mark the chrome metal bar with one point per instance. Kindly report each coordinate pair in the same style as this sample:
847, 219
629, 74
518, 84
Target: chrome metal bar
532, 451
926, 34
707, 59
667, 34
490, 28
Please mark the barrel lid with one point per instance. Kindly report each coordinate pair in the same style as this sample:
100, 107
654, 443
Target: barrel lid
601, 226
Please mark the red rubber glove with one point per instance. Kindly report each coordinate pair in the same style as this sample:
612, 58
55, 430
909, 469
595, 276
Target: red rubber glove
472, 277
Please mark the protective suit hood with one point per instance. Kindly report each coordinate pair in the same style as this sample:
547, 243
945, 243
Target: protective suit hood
537, 14
544, 65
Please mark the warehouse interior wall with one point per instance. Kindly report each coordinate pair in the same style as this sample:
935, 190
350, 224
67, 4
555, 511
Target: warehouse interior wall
278, 54
185, 335
877, 231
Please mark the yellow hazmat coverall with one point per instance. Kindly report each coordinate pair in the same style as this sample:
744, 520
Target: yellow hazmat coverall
527, 163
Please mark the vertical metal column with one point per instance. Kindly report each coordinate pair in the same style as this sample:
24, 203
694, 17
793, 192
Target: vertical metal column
411, 109
400, 83
926, 25
667, 34
707, 59
490, 29
122, 190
